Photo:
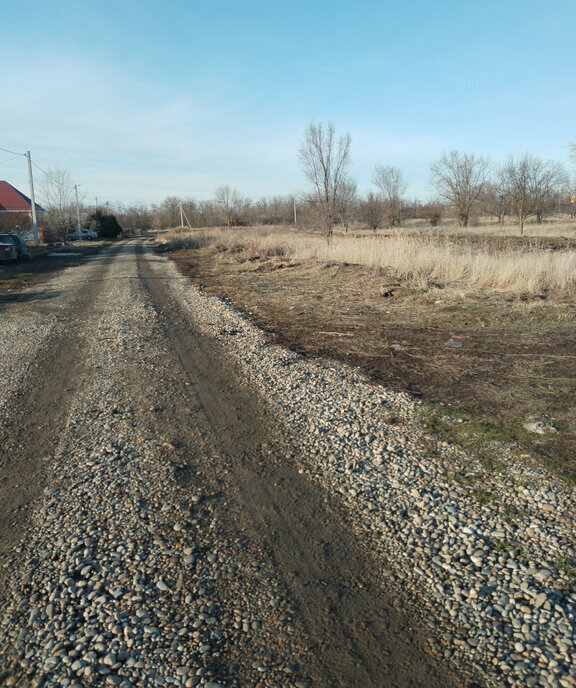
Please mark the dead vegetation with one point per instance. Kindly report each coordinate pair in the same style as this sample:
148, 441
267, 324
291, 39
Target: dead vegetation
480, 327
516, 265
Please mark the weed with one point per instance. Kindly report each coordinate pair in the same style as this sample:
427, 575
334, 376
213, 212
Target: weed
486, 438
502, 546
567, 565
482, 496
523, 556
512, 512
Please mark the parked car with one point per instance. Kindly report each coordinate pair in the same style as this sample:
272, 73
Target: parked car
13, 246
83, 234
7, 252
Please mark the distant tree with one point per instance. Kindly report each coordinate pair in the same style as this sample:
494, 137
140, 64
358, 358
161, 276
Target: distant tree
189, 209
278, 210
495, 199
391, 184
135, 218
531, 184
433, 212
169, 211
347, 201
58, 195
325, 161
460, 178
208, 214
229, 202
412, 209
104, 224
371, 210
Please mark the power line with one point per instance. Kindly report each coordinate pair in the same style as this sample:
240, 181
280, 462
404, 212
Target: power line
13, 152
17, 155
41, 170
47, 174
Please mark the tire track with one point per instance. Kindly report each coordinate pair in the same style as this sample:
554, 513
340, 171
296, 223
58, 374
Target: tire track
31, 428
356, 635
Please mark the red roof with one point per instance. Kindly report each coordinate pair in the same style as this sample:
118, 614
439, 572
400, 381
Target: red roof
13, 200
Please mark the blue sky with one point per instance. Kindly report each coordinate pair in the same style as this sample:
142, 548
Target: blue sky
140, 100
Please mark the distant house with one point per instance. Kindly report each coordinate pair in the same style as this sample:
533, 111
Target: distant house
16, 211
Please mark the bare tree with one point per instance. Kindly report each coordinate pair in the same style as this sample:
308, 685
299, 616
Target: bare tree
495, 200
170, 211
347, 199
135, 218
372, 211
325, 161
58, 193
460, 178
392, 186
433, 212
531, 184
229, 202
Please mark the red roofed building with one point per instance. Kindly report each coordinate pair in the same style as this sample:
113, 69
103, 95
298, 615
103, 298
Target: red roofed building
16, 210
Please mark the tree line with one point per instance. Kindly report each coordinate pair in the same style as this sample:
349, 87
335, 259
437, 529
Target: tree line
467, 185
522, 187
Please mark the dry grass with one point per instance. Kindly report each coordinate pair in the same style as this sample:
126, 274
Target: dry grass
513, 362
421, 261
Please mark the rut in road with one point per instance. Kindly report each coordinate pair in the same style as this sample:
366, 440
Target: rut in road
356, 635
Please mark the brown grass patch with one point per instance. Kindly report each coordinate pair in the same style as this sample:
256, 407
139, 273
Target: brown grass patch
488, 361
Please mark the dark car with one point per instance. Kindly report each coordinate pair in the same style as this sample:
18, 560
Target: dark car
13, 246
84, 234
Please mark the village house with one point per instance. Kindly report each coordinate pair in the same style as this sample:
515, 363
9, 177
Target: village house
16, 212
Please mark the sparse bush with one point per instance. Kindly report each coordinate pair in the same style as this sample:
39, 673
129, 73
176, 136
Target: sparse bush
178, 240
433, 213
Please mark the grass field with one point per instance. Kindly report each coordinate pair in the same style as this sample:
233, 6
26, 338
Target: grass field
479, 326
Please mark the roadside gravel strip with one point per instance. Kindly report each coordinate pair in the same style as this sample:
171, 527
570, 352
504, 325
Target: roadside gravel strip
495, 582
165, 545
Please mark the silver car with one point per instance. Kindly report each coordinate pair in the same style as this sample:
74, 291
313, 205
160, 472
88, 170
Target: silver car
12, 247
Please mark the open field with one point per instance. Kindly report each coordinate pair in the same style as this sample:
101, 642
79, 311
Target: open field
479, 325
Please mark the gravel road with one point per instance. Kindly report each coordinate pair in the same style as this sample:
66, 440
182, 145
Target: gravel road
184, 504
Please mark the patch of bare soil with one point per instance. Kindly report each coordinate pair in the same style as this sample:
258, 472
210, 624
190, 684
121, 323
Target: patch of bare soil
489, 363
23, 273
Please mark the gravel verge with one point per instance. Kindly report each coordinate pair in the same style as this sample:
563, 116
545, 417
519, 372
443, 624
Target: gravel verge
495, 581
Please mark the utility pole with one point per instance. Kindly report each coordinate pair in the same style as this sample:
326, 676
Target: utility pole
294, 203
181, 215
33, 201
77, 208
187, 220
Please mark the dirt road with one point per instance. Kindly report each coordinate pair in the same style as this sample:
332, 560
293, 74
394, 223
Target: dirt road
145, 486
